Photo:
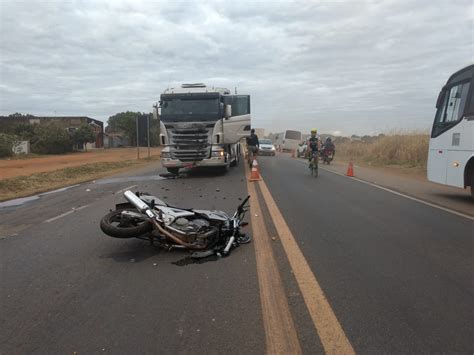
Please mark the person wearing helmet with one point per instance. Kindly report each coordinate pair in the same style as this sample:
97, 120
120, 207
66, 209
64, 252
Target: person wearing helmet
313, 144
329, 145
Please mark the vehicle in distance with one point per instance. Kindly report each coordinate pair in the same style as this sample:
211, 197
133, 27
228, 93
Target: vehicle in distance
266, 147
288, 140
451, 153
202, 126
301, 151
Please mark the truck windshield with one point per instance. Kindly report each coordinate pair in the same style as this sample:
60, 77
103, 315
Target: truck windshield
190, 110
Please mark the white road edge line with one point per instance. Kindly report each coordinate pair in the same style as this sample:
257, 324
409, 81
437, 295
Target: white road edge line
125, 189
460, 214
65, 214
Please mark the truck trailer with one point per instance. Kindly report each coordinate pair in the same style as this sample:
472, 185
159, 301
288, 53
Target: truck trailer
202, 126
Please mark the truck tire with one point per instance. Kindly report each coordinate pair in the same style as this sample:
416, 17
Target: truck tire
235, 162
131, 230
174, 171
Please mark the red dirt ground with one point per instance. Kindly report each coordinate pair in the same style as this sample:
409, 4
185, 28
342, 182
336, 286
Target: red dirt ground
10, 168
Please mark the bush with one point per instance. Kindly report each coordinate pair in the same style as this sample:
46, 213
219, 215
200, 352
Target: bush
6, 144
50, 139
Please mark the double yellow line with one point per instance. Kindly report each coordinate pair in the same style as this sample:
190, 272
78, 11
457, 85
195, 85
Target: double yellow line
281, 334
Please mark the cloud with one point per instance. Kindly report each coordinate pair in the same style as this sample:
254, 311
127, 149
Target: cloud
354, 67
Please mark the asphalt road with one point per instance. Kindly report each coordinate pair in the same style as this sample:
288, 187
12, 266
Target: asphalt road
395, 275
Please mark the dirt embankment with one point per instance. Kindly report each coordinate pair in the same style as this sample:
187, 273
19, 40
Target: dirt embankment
10, 168
25, 177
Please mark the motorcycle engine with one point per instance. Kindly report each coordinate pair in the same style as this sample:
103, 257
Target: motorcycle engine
193, 226
197, 231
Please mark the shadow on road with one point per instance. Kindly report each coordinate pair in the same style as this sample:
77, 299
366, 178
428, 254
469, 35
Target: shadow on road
134, 253
194, 173
455, 197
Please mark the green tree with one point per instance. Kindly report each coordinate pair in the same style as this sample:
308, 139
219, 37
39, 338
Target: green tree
25, 131
6, 144
83, 135
124, 122
50, 139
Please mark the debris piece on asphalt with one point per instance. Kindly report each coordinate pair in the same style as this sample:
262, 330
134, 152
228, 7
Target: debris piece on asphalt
256, 215
154, 264
88, 190
273, 238
218, 190
132, 260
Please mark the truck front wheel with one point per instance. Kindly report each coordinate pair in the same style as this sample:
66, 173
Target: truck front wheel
174, 171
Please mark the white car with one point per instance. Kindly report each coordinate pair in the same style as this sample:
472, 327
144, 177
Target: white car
266, 147
301, 151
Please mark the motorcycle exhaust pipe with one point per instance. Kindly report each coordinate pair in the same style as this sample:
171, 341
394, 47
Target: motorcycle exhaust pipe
136, 201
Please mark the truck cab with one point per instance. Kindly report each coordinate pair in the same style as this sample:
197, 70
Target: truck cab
202, 126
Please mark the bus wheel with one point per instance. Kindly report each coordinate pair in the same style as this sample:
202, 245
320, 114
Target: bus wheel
472, 184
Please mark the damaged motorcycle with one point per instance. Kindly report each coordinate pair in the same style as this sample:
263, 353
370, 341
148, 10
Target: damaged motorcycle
204, 232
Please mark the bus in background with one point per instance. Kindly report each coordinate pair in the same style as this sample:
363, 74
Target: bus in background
288, 140
451, 153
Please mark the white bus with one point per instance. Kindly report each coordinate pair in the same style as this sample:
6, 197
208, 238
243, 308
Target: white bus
451, 153
288, 140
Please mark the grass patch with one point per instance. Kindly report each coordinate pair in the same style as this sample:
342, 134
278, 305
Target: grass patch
22, 186
408, 150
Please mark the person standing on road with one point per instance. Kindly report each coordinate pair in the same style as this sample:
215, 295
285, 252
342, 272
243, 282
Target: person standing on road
313, 145
252, 145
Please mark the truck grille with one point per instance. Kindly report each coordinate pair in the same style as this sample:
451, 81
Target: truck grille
190, 144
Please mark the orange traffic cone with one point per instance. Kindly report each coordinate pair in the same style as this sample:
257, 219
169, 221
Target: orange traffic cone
254, 174
350, 169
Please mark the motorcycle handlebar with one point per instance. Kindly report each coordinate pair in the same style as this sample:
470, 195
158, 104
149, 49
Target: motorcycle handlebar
243, 203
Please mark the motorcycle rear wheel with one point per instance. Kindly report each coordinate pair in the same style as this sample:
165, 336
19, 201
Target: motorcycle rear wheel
114, 225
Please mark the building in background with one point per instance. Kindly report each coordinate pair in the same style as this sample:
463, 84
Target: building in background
70, 123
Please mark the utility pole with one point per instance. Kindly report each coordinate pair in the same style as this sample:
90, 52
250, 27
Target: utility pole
138, 147
148, 129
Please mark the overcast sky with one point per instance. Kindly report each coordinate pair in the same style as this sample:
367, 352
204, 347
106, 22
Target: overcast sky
358, 67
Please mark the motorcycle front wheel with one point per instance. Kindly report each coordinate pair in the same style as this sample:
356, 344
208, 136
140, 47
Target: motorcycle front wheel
118, 226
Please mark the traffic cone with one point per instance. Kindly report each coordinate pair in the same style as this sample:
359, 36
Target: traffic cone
350, 169
254, 174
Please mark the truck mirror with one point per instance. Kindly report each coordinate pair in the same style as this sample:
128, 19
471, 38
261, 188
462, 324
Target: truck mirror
156, 112
228, 111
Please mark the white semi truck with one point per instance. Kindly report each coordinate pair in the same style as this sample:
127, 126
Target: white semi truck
202, 127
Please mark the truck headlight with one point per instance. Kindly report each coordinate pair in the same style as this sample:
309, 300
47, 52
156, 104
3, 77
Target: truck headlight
217, 153
165, 155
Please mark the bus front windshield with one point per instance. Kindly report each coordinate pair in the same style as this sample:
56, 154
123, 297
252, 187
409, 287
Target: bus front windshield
451, 107
190, 110
296, 135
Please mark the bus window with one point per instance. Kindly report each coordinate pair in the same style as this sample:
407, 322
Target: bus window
451, 109
293, 135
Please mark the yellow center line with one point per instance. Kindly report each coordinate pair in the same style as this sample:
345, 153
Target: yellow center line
328, 327
280, 332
